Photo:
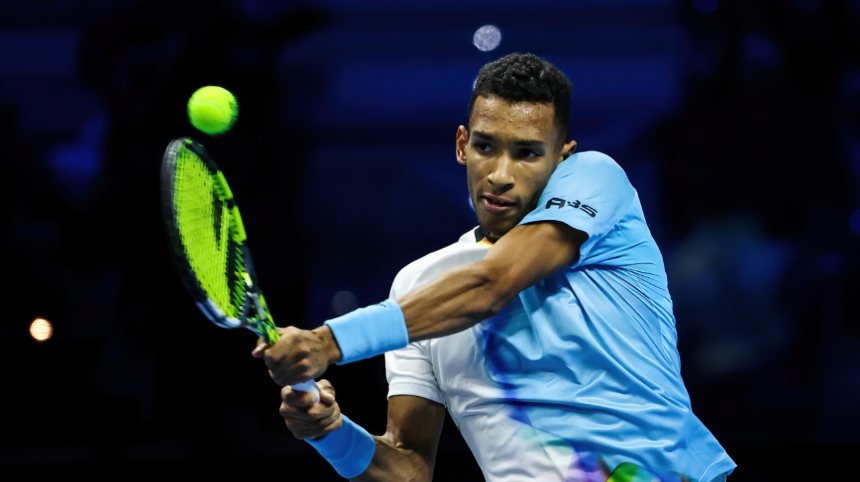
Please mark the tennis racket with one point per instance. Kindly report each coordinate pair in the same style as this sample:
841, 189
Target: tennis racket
207, 239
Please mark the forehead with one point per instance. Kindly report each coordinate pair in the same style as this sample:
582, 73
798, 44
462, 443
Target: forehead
523, 120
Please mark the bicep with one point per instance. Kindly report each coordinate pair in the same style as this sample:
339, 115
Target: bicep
530, 253
414, 424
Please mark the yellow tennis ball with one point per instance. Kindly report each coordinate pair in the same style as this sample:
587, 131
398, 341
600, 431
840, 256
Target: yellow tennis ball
212, 109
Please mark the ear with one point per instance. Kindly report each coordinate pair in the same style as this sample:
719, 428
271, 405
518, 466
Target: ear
462, 139
567, 150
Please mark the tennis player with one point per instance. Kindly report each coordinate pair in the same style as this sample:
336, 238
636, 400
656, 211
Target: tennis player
547, 331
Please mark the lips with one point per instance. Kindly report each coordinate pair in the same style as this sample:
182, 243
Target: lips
496, 204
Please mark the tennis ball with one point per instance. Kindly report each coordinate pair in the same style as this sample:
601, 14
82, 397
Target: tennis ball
212, 109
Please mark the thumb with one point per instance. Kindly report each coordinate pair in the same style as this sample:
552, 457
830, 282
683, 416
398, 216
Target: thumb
326, 392
258, 351
326, 397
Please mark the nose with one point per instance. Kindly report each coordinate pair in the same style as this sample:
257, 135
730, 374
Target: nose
501, 176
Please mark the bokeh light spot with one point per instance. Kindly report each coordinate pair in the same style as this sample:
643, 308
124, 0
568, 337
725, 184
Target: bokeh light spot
759, 49
487, 38
706, 6
41, 329
343, 302
854, 222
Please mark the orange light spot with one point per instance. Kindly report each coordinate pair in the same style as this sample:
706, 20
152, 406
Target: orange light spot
41, 329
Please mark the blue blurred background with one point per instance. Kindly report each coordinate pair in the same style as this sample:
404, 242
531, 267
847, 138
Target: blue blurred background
738, 121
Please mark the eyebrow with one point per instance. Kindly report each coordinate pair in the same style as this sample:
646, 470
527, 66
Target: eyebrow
517, 142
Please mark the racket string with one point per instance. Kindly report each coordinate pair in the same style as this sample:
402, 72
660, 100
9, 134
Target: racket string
206, 230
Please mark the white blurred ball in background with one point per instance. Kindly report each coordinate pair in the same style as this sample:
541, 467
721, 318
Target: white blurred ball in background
487, 38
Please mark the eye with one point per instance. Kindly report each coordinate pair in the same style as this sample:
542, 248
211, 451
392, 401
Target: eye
529, 154
482, 146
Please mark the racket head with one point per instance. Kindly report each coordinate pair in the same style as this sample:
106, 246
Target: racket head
207, 236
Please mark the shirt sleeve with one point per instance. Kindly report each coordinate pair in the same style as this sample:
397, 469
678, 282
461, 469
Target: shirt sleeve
409, 370
589, 192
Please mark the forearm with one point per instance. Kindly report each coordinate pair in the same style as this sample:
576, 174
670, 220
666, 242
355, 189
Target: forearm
451, 302
454, 301
459, 297
395, 464
406, 452
465, 295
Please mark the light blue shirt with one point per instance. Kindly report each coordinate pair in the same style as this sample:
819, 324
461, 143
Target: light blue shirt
578, 375
589, 354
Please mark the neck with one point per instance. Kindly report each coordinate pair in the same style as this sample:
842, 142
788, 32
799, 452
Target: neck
491, 238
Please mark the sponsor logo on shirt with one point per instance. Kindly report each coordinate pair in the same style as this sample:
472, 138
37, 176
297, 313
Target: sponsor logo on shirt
557, 201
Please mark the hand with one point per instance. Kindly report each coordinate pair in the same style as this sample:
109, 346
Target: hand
299, 355
307, 418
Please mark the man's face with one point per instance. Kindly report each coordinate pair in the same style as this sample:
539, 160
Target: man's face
510, 150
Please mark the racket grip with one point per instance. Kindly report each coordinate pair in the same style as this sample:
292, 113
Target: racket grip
308, 386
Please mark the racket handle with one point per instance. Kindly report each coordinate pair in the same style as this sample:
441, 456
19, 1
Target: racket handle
308, 386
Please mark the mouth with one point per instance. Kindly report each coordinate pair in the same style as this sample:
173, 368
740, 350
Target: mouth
496, 204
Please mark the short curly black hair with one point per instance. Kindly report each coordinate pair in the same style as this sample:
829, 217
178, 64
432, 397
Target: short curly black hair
526, 77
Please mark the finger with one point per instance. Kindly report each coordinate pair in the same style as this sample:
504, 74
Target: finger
338, 422
321, 411
285, 391
329, 418
274, 379
288, 330
296, 416
283, 380
327, 393
326, 398
258, 350
290, 375
297, 398
307, 415
311, 434
290, 412
305, 430
301, 430
302, 416
269, 355
317, 398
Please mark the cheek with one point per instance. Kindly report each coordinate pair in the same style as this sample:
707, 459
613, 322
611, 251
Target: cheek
472, 179
536, 186
475, 171
470, 173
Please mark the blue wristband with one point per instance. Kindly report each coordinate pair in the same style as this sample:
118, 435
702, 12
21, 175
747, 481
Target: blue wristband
369, 331
348, 449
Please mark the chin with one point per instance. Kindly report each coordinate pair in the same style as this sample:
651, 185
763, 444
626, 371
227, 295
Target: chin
497, 229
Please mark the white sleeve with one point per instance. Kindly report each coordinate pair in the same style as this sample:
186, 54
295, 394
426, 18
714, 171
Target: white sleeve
409, 371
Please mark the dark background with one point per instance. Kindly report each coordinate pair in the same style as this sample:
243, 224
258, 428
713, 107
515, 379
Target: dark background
738, 121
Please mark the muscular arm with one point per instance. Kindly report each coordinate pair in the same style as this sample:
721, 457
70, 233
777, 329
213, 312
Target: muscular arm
407, 451
465, 295
453, 301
